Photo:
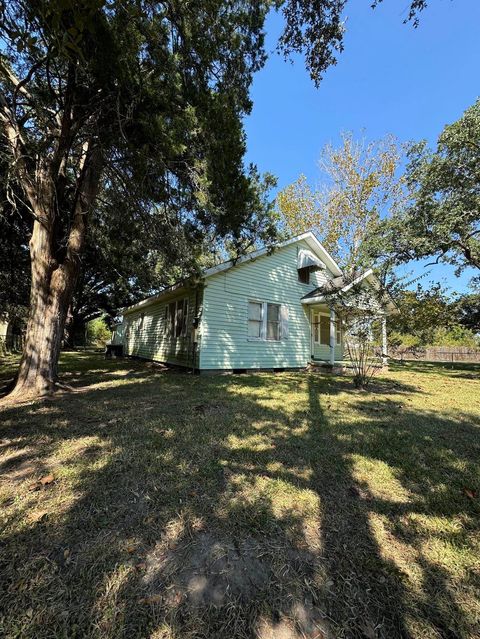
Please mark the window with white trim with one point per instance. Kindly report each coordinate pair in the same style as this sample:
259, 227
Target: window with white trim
255, 320
273, 321
267, 321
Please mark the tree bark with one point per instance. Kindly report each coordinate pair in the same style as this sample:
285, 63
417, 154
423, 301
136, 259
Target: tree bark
52, 286
51, 292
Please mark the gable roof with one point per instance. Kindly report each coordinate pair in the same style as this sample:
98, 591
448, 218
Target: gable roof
314, 245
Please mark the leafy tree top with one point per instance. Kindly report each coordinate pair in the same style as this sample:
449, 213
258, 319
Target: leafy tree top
442, 219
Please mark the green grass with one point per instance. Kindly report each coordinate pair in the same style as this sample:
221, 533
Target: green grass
270, 505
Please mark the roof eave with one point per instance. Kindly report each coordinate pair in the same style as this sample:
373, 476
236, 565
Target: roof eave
163, 295
309, 237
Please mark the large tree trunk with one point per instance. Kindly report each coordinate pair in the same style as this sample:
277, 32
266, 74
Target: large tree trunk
51, 293
53, 281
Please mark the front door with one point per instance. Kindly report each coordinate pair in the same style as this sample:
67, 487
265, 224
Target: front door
320, 323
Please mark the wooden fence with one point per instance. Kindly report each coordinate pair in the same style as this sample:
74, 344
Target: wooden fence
436, 354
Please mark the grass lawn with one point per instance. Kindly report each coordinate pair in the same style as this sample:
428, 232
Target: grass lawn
274, 506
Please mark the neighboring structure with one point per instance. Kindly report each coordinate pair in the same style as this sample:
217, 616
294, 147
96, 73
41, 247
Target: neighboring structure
264, 311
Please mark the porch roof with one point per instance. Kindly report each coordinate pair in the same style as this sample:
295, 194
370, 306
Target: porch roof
318, 294
341, 285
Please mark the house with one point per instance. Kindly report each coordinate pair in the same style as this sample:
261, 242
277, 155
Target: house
264, 311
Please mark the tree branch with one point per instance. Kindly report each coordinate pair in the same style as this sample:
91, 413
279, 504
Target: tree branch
17, 149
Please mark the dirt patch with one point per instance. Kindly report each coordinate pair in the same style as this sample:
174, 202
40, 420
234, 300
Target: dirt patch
20, 465
237, 578
208, 570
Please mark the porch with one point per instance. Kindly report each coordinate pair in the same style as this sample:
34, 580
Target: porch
327, 338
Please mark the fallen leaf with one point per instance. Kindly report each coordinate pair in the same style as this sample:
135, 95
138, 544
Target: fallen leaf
39, 517
66, 553
131, 549
469, 492
153, 599
47, 479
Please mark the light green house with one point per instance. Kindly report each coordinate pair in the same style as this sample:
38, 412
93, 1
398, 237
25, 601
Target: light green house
265, 311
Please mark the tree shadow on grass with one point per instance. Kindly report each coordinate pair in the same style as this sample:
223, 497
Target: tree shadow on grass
207, 507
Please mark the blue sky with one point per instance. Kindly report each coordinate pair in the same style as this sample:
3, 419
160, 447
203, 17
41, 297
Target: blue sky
391, 78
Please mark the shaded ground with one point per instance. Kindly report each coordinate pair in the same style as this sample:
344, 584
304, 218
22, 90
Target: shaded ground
270, 506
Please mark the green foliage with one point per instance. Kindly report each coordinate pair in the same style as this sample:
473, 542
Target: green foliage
159, 89
455, 335
421, 312
443, 217
406, 340
360, 183
98, 332
467, 309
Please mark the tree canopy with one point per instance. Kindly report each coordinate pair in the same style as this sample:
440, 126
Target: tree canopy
360, 182
442, 217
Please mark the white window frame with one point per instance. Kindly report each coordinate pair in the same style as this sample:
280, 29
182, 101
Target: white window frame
263, 321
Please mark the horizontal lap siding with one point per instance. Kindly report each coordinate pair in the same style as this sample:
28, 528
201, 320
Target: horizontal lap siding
148, 338
270, 278
322, 351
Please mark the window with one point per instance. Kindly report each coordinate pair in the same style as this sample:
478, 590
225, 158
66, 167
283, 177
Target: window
273, 321
267, 321
176, 318
304, 275
255, 320
181, 318
338, 334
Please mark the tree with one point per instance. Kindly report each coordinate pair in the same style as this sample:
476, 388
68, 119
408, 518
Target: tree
442, 218
360, 184
97, 332
467, 309
138, 98
422, 311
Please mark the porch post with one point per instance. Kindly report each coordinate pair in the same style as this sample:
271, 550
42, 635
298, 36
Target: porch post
332, 337
384, 341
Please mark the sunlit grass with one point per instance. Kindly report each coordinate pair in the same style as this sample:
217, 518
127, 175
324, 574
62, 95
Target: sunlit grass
237, 506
